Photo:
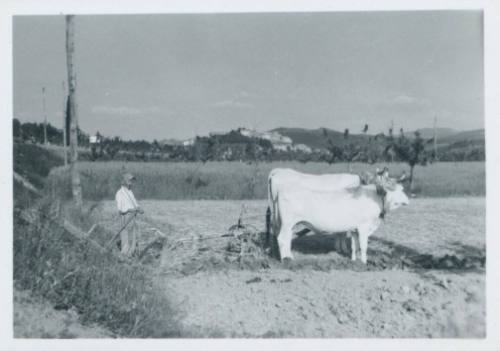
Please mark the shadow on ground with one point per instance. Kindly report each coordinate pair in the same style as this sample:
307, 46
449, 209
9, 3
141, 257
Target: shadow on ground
321, 253
382, 254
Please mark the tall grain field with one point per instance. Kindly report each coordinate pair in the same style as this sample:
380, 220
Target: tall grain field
237, 180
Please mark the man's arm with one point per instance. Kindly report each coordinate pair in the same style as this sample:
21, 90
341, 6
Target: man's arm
137, 207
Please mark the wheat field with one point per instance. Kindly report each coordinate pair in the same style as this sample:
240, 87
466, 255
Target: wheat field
237, 180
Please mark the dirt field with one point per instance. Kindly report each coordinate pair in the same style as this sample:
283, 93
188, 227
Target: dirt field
424, 278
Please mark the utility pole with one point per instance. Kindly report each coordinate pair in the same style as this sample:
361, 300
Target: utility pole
64, 124
391, 133
70, 50
44, 118
435, 139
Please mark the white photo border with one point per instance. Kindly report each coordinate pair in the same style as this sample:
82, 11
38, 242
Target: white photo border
491, 13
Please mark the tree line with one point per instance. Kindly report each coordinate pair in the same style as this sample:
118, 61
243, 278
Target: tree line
233, 146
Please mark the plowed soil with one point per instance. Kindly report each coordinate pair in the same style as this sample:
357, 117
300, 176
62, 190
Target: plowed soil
425, 275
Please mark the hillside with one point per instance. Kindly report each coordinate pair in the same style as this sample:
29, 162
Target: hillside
470, 135
315, 138
428, 133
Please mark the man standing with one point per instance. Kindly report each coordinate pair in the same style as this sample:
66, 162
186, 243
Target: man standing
128, 209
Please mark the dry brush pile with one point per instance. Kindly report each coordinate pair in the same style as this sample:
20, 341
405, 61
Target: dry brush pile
239, 248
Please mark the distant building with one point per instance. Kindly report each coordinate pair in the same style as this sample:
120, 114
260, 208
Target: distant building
94, 139
250, 133
302, 147
282, 146
279, 142
188, 142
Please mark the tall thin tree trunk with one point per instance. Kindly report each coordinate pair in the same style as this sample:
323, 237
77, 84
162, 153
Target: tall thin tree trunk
44, 118
65, 151
435, 140
411, 178
70, 49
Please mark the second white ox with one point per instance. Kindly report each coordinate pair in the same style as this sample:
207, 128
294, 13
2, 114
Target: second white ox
325, 211
280, 180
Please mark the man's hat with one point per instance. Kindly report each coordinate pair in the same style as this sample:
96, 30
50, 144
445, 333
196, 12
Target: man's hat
127, 177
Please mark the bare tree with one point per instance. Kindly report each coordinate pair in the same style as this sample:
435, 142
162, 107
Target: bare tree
434, 141
70, 49
410, 151
65, 127
44, 118
348, 151
365, 129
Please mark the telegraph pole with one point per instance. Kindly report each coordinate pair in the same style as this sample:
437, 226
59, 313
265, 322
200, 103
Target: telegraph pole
44, 118
435, 139
70, 50
64, 124
392, 140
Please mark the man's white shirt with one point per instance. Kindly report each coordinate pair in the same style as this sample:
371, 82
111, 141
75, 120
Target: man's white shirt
125, 200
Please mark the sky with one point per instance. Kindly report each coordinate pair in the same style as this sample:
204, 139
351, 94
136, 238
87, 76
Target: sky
180, 75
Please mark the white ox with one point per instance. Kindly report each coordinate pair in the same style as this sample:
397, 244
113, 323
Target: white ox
361, 208
282, 179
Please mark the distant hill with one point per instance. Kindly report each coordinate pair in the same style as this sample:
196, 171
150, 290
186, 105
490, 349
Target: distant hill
470, 135
428, 133
314, 138
170, 142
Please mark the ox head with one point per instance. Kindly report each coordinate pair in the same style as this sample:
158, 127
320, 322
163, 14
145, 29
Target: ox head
396, 197
392, 189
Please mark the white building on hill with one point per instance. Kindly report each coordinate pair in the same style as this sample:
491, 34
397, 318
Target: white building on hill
279, 142
302, 147
188, 142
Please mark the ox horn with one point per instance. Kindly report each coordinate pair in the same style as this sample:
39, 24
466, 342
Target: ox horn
402, 177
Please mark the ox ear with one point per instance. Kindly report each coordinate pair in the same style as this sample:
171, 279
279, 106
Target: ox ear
390, 184
366, 177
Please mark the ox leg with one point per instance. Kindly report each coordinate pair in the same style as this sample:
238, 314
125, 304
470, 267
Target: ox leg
285, 241
268, 226
363, 234
353, 245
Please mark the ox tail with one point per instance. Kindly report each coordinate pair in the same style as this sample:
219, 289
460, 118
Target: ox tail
268, 226
269, 210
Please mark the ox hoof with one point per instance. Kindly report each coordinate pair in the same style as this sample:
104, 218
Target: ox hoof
287, 261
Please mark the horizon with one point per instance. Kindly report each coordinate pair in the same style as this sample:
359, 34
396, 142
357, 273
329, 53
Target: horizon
146, 77
407, 132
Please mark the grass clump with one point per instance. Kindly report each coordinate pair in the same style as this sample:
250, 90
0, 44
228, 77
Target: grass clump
34, 162
71, 273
